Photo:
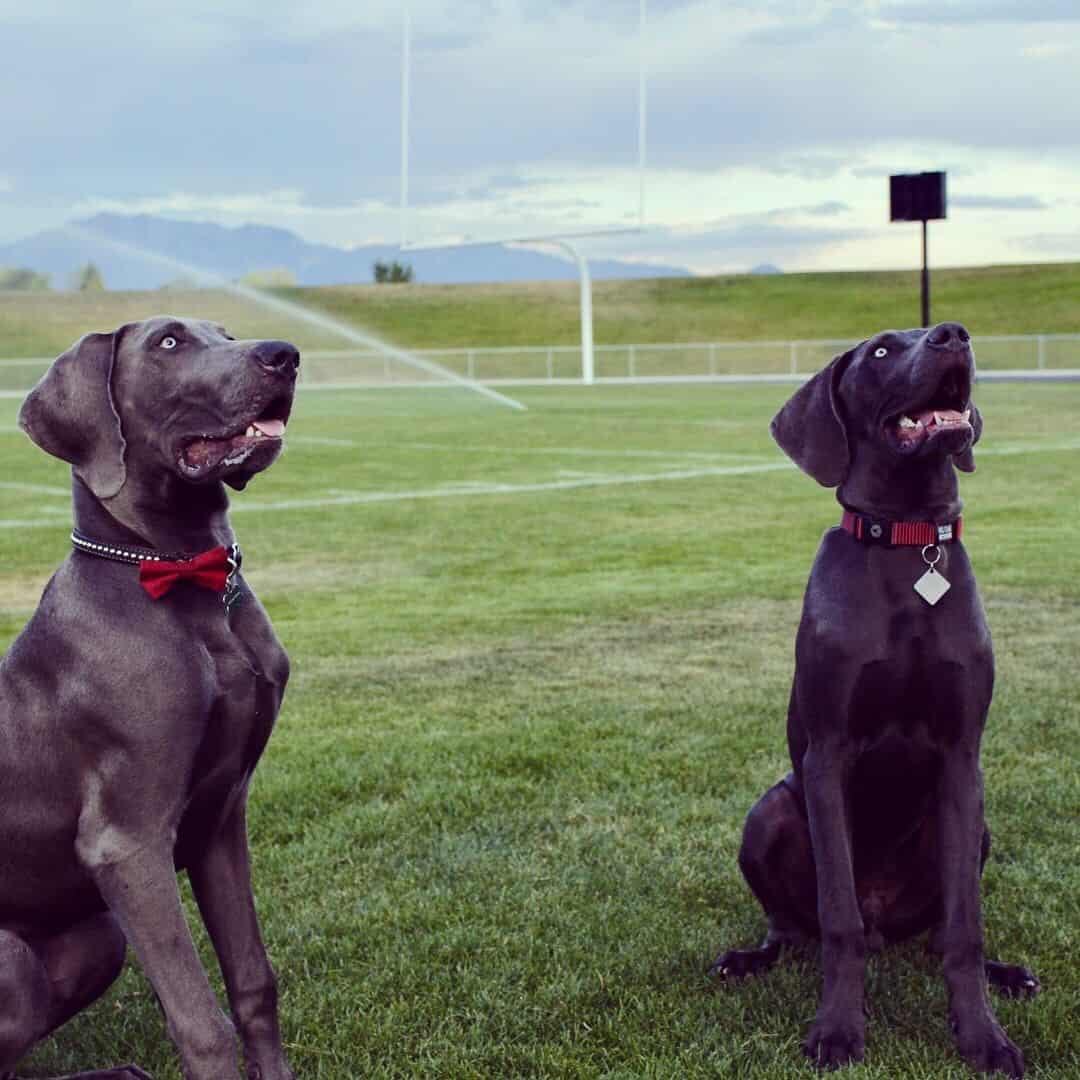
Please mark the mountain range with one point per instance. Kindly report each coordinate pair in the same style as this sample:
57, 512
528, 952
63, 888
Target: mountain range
112, 243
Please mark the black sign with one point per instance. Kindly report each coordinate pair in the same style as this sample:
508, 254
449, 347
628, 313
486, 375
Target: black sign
917, 196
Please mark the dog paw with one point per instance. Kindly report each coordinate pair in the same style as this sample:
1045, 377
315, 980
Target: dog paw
988, 1049
833, 1044
1012, 980
739, 963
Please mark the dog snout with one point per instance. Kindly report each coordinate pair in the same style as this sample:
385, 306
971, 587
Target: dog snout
277, 356
949, 335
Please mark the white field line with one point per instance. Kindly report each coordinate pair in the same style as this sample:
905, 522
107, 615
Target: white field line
464, 489
467, 489
1027, 448
580, 451
549, 451
326, 440
36, 489
48, 518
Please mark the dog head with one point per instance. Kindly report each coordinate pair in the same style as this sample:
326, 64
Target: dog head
899, 398
170, 395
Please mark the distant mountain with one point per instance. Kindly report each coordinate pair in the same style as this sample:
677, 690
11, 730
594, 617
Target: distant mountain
233, 252
766, 268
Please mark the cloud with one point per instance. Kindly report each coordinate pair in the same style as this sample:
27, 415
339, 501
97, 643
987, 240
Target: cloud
735, 245
524, 112
998, 202
826, 209
252, 204
1064, 244
980, 11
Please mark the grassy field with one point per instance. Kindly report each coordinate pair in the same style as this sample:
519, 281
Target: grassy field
541, 665
989, 300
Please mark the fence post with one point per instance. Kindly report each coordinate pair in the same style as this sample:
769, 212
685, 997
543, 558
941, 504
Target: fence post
1041, 351
794, 350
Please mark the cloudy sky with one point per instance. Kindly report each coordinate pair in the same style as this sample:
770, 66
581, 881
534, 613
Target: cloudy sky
772, 125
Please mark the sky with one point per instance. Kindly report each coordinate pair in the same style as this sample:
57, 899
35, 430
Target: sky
772, 126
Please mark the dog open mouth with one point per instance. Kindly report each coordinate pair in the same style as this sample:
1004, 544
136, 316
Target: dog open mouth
209, 453
947, 410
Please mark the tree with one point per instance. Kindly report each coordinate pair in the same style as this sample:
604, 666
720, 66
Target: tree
392, 273
23, 279
88, 279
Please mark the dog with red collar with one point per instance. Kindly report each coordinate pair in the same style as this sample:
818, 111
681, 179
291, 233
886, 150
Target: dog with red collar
878, 834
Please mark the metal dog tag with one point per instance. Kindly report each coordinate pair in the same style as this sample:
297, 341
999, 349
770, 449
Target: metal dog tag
932, 586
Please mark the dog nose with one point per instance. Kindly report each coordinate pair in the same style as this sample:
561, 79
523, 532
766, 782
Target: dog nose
277, 356
949, 335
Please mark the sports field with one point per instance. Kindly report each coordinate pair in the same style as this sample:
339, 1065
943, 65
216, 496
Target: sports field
541, 664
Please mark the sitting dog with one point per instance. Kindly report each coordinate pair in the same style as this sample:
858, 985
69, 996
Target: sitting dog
136, 703
878, 833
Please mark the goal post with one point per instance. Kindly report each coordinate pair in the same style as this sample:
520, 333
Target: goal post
567, 241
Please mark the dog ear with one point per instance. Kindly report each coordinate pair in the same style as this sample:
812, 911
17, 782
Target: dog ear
71, 414
810, 428
965, 462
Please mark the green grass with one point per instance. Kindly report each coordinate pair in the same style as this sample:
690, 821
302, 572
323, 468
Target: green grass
989, 300
494, 833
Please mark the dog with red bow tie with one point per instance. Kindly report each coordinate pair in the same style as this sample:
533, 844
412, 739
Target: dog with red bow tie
137, 701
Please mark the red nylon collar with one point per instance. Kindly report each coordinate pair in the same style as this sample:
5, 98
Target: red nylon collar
870, 530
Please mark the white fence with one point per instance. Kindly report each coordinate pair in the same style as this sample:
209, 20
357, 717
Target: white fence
1013, 356
1016, 355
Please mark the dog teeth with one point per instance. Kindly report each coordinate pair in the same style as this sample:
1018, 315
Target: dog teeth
907, 422
967, 415
251, 432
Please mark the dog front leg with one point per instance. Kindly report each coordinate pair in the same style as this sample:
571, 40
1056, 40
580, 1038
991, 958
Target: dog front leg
980, 1038
221, 878
140, 890
838, 1034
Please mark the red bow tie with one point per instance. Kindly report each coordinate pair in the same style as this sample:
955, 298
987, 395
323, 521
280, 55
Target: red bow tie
211, 570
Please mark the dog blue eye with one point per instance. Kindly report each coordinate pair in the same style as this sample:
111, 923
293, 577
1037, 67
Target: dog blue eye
168, 343
882, 351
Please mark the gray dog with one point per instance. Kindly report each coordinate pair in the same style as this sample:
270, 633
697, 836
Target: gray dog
878, 832
136, 703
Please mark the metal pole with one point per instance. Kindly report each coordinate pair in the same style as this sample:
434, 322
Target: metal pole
925, 281
406, 51
588, 363
642, 113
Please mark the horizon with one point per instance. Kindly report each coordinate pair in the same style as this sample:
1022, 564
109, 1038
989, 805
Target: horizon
764, 268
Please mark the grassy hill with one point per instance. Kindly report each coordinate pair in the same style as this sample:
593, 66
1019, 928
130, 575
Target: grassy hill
990, 300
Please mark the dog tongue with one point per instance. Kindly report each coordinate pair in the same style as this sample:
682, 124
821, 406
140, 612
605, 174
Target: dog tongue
274, 428
940, 416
